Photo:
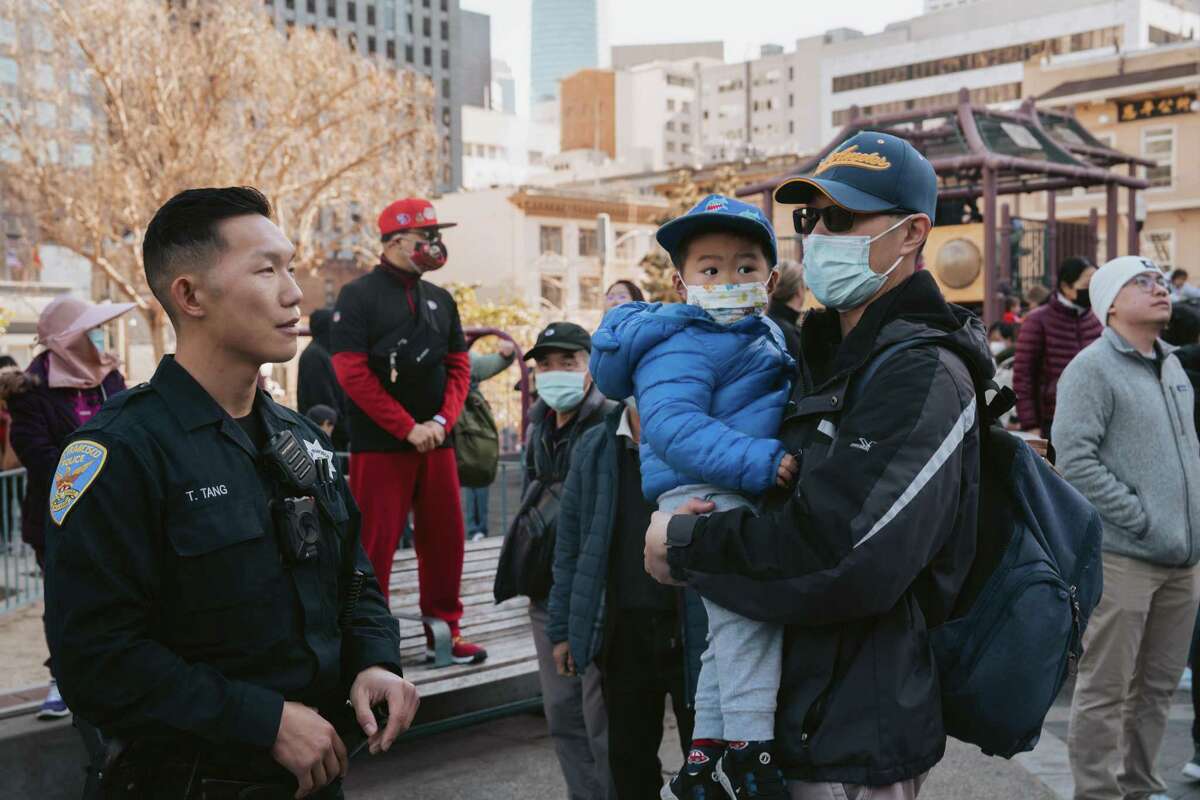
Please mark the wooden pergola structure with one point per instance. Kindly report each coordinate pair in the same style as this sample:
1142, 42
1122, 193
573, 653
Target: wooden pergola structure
982, 153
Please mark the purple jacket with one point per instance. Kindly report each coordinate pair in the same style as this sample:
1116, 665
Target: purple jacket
42, 419
1050, 338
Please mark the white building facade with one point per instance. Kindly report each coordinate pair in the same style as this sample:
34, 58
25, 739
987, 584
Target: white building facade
502, 149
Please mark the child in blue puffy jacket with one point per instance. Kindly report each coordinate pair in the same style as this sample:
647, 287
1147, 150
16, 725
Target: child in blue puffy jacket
711, 379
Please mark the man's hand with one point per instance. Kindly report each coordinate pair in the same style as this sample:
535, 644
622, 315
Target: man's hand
789, 470
308, 747
506, 348
563, 660
656, 539
421, 438
375, 686
438, 432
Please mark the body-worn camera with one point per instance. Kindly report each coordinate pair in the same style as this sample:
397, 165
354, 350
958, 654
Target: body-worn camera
298, 528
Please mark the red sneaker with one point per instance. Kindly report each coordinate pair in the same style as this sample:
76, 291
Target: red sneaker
461, 652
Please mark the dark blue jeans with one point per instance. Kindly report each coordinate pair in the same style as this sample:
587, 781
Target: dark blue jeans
475, 510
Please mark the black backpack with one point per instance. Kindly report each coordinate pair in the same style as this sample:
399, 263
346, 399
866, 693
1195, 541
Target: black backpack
526, 564
1016, 631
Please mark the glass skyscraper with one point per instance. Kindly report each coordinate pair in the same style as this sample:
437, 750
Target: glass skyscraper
566, 37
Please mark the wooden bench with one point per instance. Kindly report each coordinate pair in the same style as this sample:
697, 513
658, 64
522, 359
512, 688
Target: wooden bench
503, 629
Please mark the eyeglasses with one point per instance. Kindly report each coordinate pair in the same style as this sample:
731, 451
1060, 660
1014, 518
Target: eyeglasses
1148, 282
836, 219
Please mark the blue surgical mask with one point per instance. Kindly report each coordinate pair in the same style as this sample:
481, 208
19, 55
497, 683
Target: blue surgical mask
838, 269
562, 390
97, 338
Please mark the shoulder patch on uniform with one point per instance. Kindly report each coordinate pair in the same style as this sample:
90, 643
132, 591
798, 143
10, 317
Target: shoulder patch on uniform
79, 465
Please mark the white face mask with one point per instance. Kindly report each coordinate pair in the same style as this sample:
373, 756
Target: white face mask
729, 302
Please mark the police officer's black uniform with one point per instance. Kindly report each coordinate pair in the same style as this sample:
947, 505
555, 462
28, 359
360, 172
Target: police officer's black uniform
175, 621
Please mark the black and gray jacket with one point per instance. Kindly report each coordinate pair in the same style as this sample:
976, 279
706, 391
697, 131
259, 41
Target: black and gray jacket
871, 548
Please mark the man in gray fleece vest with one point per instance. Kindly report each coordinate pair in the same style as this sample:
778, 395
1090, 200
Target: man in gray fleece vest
1126, 439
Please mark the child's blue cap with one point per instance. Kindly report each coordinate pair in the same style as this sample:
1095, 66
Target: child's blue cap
872, 173
719, 213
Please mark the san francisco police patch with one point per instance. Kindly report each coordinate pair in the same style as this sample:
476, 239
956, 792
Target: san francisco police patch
81, 462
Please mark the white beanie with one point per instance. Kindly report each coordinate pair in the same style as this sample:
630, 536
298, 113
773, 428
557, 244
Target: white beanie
1110, 279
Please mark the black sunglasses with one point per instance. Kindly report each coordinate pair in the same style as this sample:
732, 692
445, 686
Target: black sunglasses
836, 218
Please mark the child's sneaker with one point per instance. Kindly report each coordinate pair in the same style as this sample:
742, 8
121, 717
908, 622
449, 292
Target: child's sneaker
1191, 770
748, 769
698, 779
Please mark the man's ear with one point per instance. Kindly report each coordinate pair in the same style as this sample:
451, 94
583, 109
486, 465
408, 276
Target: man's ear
188, 296
680, 286
916, 234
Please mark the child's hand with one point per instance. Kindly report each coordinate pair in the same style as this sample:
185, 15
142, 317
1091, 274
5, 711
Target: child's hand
789, 470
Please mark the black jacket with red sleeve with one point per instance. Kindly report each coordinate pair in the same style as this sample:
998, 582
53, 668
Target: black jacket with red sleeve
401, 356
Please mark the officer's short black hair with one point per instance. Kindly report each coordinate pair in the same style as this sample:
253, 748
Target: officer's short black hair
184, 231
320, 414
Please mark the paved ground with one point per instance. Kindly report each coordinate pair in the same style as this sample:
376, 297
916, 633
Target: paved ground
24, 648
513, 759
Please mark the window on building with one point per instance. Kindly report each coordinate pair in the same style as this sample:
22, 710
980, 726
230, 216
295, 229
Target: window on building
371, 48
42, 39
427, 27
81, 118
351, 11
8, 32
1160, 36
1162, 247
47, 115
551, 240
791, 126
1158, 144
590, 296
446, 116
670, 124
331, 8
685, 107
445, 87
685, 148
670, 147
552, 291
445, 59
791, 101
685, 127
371, 14
791, 73
1010, 54
670, 104
425, 3
408, 53
535, 158
45, 77
290, 5
445, 5
390, 49
428, 56
311, 6
445, 30
410, 23
82, 155
589, 242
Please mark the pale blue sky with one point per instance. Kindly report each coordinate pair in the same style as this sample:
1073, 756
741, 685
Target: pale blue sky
742, 24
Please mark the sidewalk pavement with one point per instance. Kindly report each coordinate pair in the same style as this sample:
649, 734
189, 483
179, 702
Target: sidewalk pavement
513, 759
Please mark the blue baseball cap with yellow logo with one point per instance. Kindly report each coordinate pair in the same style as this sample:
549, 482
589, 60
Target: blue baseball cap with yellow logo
719, 213
871, 173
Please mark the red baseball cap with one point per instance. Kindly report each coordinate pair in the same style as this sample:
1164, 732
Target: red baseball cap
411, 213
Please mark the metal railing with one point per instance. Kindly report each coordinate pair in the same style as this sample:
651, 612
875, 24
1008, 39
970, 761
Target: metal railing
21, 578
20, 575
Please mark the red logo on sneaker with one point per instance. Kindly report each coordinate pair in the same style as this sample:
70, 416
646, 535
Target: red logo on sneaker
697, 757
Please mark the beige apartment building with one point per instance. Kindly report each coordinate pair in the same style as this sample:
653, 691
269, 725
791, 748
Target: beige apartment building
1147, 103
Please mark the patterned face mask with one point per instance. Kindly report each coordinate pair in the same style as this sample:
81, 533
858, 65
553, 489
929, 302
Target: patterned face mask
727, 303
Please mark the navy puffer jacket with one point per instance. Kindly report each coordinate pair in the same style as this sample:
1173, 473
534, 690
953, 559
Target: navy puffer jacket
585, 530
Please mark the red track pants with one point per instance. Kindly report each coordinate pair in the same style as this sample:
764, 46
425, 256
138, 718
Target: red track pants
386, 486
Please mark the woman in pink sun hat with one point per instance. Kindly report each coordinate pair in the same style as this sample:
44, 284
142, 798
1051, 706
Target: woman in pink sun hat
63, 387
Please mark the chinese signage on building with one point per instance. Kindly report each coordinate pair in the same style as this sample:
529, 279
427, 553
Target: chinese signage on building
1148, 108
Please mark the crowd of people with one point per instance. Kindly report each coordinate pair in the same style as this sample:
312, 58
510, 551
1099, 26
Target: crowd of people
749, 511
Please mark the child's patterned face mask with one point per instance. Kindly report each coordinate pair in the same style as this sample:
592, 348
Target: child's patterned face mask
727, 303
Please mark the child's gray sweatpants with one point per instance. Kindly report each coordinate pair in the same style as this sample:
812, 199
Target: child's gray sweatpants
739, 671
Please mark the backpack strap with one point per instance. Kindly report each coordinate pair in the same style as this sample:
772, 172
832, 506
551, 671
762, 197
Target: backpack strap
1004, 401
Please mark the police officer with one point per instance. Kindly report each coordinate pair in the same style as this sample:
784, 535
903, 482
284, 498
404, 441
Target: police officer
208, 604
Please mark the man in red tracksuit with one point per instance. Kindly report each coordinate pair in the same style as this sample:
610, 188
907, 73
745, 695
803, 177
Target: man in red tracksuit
400, 354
